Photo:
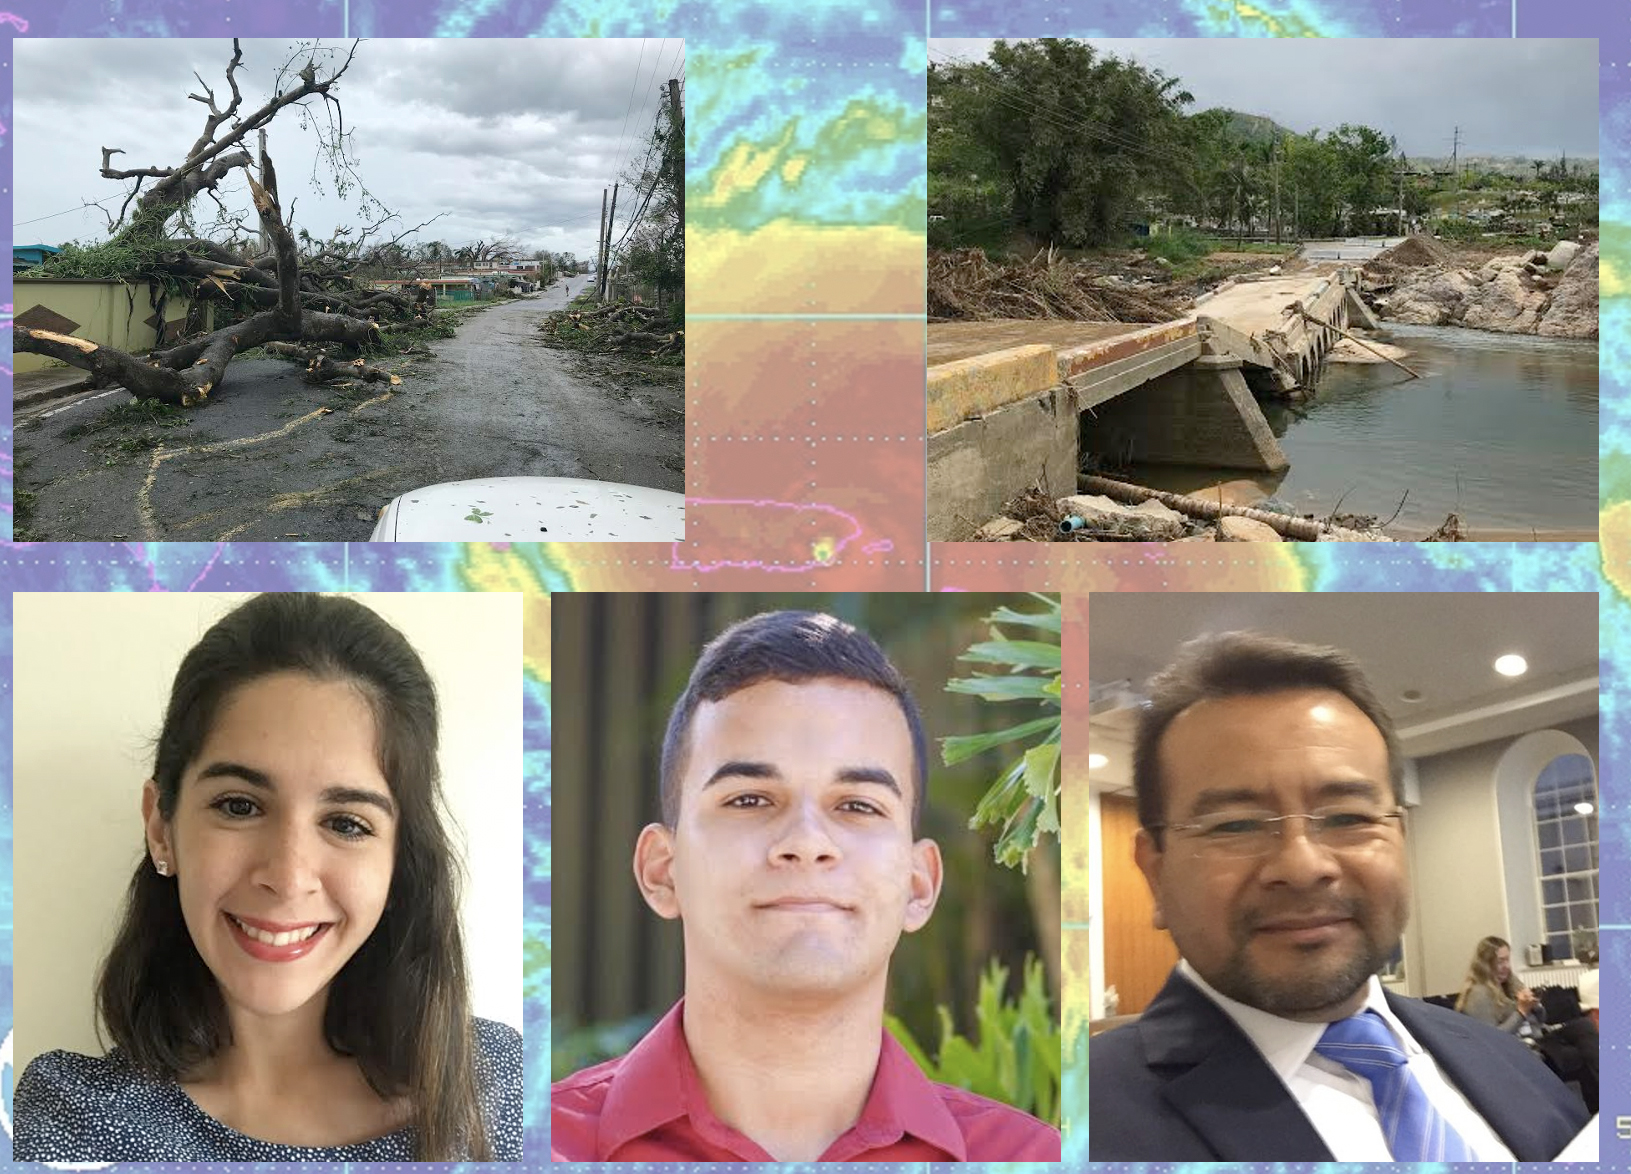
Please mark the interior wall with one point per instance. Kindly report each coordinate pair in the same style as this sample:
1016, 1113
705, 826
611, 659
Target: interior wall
1138, 957
1456, 873
1095, 908
1458, 863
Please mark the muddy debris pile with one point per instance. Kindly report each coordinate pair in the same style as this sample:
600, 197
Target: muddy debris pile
1411, 253
617, 328
966, 285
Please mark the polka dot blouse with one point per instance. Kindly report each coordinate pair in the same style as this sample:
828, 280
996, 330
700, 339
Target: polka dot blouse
73, 1108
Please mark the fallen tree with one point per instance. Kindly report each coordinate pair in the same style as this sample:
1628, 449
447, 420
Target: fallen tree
615, 327
281, 296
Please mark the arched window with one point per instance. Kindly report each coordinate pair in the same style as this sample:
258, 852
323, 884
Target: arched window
1566, 838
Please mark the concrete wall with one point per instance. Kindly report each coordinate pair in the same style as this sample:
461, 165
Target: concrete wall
975, 467
972, 387
112, 313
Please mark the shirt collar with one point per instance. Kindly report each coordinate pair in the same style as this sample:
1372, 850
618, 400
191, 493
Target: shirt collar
657, 1082
904, 1101
1287, 1043
645, 1094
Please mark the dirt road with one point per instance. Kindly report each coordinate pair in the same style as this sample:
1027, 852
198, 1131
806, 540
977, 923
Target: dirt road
272, 458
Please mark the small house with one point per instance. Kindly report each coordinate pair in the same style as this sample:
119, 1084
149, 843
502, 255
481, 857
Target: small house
29, 256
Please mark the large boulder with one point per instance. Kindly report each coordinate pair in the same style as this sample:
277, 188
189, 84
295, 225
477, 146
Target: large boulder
1233, 529
1148, 521
1562, 256
1573, 310
1507, 300
1434, 299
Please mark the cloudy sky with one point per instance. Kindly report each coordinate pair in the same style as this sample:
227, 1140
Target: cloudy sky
510, 138
1509, 97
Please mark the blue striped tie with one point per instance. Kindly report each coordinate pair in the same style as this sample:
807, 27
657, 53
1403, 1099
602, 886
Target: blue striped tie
1415, 1131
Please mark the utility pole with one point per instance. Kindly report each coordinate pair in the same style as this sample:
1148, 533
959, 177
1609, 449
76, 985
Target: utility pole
1455, 154
600, 241
1401, 201
606, 262
1274, 154
679, 156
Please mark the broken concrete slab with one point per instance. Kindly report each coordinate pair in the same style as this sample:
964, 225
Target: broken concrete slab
1148, 521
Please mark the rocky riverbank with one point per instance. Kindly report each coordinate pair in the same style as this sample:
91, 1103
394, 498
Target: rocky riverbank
1422, 282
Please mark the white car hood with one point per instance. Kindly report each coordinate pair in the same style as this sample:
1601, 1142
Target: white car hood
533, 509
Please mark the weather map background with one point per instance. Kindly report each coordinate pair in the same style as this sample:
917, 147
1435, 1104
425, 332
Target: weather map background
806, 198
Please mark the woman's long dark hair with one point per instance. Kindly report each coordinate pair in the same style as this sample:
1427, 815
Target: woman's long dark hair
401, 1004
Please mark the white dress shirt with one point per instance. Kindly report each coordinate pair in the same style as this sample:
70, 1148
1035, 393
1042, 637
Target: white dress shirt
1338, 1102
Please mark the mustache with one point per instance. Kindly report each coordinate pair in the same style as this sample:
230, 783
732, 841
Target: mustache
1351, 908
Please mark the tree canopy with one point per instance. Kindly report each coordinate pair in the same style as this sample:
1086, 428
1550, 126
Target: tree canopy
1064, 144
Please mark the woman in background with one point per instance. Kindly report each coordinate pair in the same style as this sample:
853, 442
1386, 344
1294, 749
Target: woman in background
1492, 994
288, 982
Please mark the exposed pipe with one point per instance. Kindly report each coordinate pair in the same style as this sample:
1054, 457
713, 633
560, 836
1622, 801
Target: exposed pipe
1198, 507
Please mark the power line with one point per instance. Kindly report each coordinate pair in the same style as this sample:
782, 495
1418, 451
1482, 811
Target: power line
1101, 131
634, 223
1021, 103
656, 65
65, 211
633, 81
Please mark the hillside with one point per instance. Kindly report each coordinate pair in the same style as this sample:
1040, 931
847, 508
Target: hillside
1254, 128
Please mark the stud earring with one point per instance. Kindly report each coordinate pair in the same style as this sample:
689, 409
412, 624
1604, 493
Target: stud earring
162, 866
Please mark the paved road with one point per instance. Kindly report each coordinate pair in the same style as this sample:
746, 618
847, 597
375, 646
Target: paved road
1354, 248
272, 459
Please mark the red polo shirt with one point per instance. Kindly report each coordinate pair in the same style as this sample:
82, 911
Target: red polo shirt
648, 1106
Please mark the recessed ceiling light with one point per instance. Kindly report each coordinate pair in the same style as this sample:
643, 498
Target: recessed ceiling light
1511, 665
1410, 695
1584, 808
1095, 761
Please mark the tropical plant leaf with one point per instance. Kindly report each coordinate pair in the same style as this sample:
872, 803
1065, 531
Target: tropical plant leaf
1049, 621
1016, 1056
903, 1036
1005, 688
1040, 764
995, 804
1018, 653
959, 747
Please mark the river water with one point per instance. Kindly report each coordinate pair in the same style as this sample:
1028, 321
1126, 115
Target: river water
1501, 430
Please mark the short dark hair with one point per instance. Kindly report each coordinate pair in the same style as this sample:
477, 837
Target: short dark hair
790, 646
400, 1004
1237, 664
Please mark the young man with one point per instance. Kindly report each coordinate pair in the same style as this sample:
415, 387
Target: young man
1268, 779
793, 772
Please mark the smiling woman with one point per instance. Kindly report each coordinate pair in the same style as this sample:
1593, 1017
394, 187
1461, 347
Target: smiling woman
288, 979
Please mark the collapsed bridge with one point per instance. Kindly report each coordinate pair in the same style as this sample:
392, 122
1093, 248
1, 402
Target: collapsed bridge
1015, 402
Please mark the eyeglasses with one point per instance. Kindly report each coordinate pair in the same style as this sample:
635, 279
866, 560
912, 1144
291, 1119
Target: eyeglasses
1242, 835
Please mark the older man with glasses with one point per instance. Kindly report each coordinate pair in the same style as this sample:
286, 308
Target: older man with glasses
1269, 782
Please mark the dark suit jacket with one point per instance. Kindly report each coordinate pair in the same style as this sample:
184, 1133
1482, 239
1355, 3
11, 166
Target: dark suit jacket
1184, 1084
